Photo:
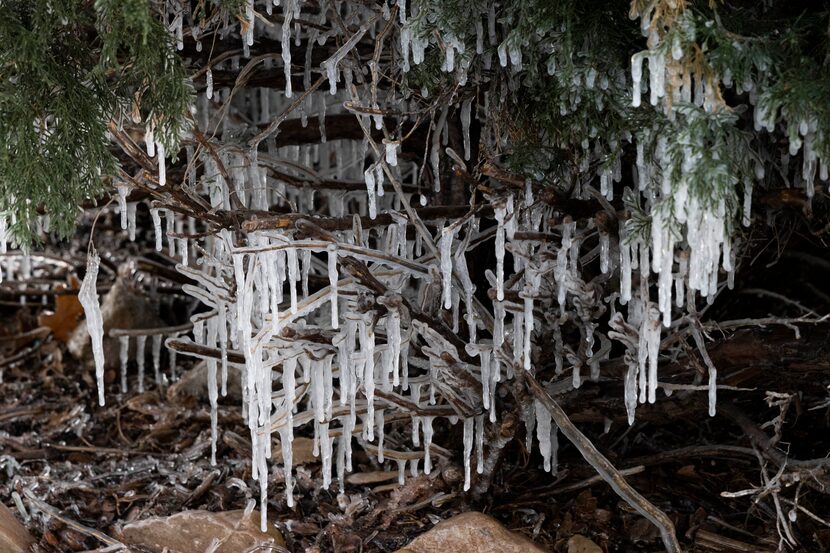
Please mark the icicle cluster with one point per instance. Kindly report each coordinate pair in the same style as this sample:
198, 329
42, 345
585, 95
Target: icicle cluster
367, 312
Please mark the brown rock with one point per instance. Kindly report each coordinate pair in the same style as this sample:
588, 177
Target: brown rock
471, 532
122, 307
14, 538
193, 383
581, 544
194, 531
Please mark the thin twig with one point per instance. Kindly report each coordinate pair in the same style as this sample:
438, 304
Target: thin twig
52, 512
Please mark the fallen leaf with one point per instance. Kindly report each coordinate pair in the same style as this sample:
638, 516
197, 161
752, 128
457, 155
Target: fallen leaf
67, 314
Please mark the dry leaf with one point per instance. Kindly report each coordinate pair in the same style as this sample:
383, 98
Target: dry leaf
67, 314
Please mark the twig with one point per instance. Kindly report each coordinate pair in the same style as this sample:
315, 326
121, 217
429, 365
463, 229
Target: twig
760, 439
161, 330
499, 438
806, 512
345, 223
706, 451
51, 511
588, 482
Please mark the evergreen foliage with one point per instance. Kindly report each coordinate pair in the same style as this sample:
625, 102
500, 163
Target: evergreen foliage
68, 70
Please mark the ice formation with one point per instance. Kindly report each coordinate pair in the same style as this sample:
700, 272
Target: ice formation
329, 287
88, 296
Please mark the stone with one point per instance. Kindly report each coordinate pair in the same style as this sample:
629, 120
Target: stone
471, 532
193, 383
123, 307
194, 531
581, 544
14, 538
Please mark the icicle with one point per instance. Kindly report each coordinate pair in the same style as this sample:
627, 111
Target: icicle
532, 282
379, 422
636, 75
379, 179
392, 153
427, 444
447, 236
154, 214
465, 126
156, 351
140, 349
468, 289
630, 390
680, 279
468, 449
88, 296
393, 337
123, 191
287, 461
223, 345
288, 15
401, 471
124, 358
171, 356
162, 164
330, 65
170, 222
326, 443
3, 234
305, 256
131, 207
628, 260
479, 431
369, 175
604, 246
543, 433
498, 325
518, 336
150, 140
289, 391
213, 394
293, 276
209, 81
367, 349
333, 278
649, 348
501, 213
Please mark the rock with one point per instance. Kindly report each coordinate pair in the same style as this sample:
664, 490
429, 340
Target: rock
193, 383
193, 532
581, 544
14, 538
122, 307
471, 532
